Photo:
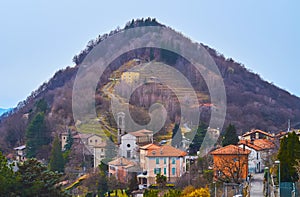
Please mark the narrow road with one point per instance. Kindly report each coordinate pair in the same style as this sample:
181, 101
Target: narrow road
256, 186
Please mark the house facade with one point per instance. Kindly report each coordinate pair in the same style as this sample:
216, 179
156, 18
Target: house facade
259, 155
93, 147
122, 169
231, 163
130, 77
257, 134
165, 160
130, 143
20, 153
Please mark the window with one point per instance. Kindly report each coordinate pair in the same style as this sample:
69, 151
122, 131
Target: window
128, 145
173, 160
165, 171
102, 150
157, 170
128, 154
173, 171
157, 160
256, 155
96, 141
165, 160
91, 141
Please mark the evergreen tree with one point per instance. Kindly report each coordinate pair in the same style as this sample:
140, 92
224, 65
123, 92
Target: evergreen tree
69, 141
176, 137
37, 180
198, 139
288, 155
56, 158
36, 135
41, 105
8, 179
230, 136
102, 184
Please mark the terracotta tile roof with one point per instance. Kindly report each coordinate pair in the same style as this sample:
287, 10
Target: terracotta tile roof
250, 145
121, 161
280, 134
149, 147
140, 133
258, 131
165, 151
264, 143
258, 144
230, 150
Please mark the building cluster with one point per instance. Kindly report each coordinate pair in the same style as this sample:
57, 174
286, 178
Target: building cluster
139, 157
251, 155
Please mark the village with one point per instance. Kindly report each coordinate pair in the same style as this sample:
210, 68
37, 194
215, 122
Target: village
139, 162
139, 157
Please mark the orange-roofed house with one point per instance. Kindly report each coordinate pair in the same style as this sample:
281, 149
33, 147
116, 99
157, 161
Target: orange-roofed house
261, 149
257, 134
231, 163
165, 160
122, 169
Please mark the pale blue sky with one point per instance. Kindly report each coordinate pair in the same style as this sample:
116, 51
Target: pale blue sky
40, 37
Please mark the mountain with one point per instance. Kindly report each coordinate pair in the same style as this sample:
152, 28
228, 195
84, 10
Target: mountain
251, 101
2, 111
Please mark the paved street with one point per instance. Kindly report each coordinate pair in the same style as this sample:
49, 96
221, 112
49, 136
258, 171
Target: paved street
256, 189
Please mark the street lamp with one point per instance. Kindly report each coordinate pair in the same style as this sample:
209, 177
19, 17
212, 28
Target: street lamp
278, 162
267, 170
215, 184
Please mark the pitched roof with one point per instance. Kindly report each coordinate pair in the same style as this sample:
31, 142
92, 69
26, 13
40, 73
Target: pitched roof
280, 134
258, 144
165, 151
149, 147
82, 135
230, 150
264, 143
85, 135
121, 161
140, 133
250, 145
20, 147
257, 131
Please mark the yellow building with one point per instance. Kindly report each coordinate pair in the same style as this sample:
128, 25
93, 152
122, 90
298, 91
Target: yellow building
130, 77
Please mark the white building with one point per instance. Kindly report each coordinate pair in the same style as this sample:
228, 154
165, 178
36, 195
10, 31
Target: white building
130, 143
260, 152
